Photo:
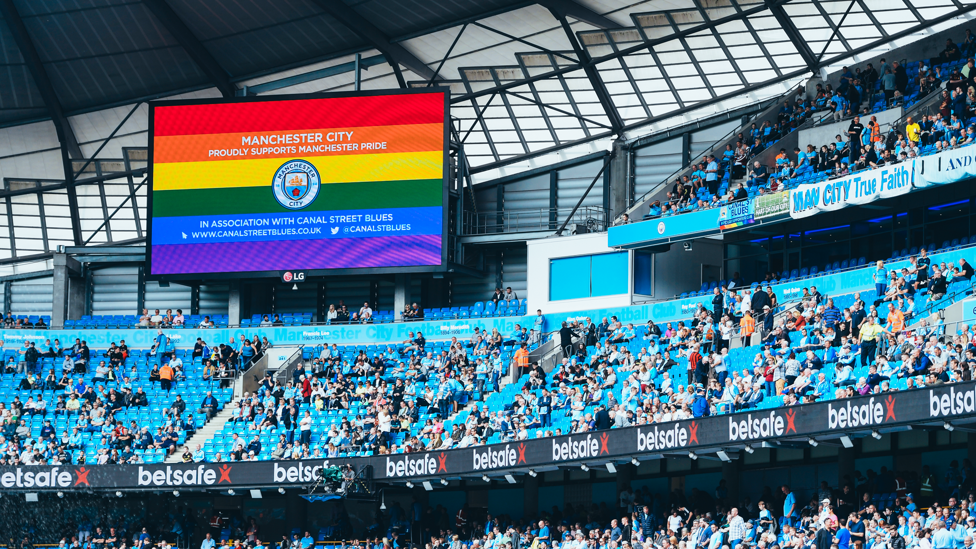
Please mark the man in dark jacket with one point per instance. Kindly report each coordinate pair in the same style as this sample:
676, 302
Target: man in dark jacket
601, 419
901, 77
825, 537
30, 357
566, 339
718, 302
760, 299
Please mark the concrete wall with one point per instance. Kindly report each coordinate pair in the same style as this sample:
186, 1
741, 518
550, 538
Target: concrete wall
542, 251
821, 135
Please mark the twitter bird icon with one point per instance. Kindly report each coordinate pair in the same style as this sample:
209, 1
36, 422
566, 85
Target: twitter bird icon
335, 230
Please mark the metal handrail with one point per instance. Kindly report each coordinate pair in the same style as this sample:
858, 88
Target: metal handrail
720, 142
542, 219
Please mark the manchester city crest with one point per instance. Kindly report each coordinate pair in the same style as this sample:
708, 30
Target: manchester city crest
296, 184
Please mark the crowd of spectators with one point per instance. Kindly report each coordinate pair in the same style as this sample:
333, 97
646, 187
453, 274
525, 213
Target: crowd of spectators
95, 406
888, 509
879, 511
737, 175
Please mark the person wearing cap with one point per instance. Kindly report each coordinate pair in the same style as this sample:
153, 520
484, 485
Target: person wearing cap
700, 406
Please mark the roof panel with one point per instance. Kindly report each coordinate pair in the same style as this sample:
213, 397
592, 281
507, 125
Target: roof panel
28, 8
266, 48
96, 32
86, 83
221, 18
402, 17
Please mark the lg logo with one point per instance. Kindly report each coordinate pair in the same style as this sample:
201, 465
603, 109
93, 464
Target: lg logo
289, 276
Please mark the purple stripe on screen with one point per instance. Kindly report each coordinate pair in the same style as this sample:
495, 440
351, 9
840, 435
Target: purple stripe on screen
384, 251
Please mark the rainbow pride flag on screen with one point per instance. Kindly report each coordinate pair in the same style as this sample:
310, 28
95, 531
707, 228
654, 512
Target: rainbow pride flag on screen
310, 183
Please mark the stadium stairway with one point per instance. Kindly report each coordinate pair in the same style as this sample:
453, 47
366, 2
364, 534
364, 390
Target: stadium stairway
205, 433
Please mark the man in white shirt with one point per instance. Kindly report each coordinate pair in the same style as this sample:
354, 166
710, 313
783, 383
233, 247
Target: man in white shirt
156, 319
736, 528
365, 313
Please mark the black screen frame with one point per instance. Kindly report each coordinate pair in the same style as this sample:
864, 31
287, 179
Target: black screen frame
445, 204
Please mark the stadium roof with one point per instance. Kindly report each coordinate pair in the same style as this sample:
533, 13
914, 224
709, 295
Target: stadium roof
527, 78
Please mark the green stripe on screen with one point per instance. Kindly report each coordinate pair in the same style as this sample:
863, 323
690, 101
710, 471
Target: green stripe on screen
333, 196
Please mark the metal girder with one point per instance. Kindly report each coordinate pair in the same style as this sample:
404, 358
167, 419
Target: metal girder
591, 74
66, 136
836, 31
108, 217
40, 76
365, 63
794, 35
395, 53
447, 55
192, 46
615, 55
759, 85
580, 12
526, 42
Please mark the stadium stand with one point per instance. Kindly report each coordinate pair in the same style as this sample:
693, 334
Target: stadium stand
738, 177
427, 373
418, 395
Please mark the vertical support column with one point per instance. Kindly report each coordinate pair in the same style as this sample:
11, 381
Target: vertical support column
730, 472
401, 294
64, 269
625, 475
617, 200
195, 299
358, 81
530, 493
845, 465
141, 290
499, 208
59, 294
77, 300
685, 149
234, 305
553, 199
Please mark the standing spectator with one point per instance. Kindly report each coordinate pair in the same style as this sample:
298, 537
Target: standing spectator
166, 377
789, 507
880, 277
711, 175
747, 326
305, 427
854, 139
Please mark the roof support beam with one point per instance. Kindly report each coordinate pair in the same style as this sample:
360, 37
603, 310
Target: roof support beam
644, 45
395, 53
616, 123
66, 136
794, 35
580, 12
192, 45
636, 125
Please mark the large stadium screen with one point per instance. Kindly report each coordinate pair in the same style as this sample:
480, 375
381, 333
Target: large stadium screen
255, 187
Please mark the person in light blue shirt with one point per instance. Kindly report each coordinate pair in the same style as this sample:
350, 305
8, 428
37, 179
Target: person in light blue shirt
789, 507
823, 388
307, 541
942, 538
880, 277
844, 375
711, 174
